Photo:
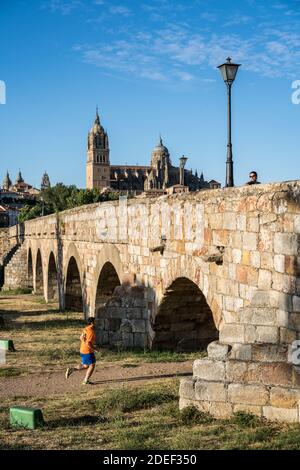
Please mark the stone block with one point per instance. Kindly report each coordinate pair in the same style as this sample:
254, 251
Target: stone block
258, 316
287, 336
139, 340
250, 241
255, 410
260, 298
210, 370
277, 374
229, 221
297, 223
284, 398
279, 263
242, 352
286, 415
255, 259
296, 303
248, 394
138, 326
187, 388
264, 279
285, 243
127, 340
236, 371
200, 405
267, 334
210, 391
269, 353
250, 334
236, 256
217, 350
221, 410
283, 318
232, 334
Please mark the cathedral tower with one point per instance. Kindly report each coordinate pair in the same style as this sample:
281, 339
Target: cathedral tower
97, 166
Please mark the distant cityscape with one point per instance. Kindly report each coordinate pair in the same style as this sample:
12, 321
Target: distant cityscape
14, 196
160, 177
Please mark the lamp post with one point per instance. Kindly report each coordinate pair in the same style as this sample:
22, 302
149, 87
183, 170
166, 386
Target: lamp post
229, 71
182, 162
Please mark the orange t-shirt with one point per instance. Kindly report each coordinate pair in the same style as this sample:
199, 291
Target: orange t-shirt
88, 337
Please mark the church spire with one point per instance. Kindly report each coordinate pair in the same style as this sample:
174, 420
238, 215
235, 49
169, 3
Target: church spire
97, 119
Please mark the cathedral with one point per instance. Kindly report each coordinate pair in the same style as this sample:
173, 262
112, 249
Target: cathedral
159, 177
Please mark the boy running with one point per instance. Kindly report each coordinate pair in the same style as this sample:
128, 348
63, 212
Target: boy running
87, 352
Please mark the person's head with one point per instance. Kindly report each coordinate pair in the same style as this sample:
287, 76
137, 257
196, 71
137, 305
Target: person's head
253, 175
91, 321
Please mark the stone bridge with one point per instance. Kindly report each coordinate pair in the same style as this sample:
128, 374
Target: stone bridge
216, 269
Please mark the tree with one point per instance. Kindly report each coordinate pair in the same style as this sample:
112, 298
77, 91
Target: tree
60, 197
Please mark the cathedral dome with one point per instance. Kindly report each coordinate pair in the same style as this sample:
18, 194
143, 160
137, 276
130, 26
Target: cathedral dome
160, 148
97, 128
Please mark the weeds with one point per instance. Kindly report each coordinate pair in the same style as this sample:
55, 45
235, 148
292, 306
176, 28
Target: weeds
191, 415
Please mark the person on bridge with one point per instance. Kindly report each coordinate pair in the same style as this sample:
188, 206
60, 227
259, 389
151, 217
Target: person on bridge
253, 178
87, 352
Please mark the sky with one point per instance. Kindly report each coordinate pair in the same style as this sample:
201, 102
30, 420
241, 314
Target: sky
151, 68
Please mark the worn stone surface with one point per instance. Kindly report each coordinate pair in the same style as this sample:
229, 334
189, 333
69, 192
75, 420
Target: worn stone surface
286, 415
217, 350
143, 268
248, 394
209, 370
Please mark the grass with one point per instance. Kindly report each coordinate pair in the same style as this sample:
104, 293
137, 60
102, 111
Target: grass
143, 417
9, 372
18, 291
122, 416
46, 339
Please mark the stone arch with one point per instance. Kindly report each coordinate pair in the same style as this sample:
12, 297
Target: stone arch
184, 320
188, 267
107, 282
73, 287
52, 288
39, 276
109, 255
29, 269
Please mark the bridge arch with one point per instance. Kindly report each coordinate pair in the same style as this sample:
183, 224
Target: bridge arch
183, 320
73, 276
39, 274
108, 280
108, 274
29, 269
52, 280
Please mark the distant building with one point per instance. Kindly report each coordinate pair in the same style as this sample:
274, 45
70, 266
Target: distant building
15, 196
155, 178
45, 184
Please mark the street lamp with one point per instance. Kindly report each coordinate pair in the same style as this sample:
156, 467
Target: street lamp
229, 71
182, 162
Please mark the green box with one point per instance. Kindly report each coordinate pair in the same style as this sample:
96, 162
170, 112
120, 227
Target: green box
7, 344
23, 417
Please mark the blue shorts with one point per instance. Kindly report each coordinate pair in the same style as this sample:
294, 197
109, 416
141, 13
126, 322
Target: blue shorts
88, 359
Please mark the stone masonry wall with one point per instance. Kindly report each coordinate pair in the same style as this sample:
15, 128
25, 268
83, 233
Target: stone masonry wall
239, 246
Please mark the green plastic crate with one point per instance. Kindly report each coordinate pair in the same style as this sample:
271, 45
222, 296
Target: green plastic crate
7, 344
23, 417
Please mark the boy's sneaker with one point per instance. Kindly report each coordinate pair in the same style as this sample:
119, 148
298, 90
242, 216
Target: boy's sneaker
68, 372
87, 382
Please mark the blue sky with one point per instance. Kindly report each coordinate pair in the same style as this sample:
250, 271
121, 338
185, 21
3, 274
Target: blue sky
150, 66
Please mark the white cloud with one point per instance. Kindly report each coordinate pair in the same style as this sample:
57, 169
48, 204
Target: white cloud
120, 10
65, 7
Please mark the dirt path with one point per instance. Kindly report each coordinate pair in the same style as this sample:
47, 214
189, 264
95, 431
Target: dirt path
56, 384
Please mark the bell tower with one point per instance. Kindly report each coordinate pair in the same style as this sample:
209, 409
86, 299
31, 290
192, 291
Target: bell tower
97, 166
